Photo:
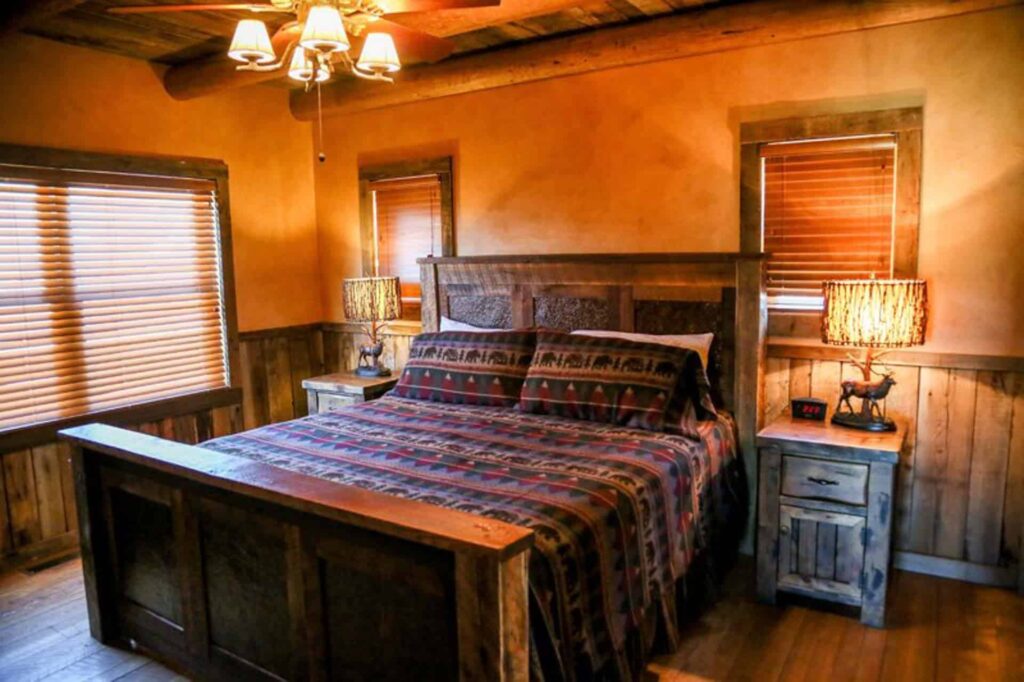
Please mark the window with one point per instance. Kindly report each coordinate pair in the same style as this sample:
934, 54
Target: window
827, 214
407, 214
830, 197
111, 291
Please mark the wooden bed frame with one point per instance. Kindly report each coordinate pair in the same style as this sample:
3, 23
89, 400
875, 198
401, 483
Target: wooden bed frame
226, 568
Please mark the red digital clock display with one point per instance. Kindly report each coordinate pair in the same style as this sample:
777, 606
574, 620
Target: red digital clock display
809, 408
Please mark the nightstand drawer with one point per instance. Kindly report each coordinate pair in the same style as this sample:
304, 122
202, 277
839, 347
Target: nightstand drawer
333, 401
824, 480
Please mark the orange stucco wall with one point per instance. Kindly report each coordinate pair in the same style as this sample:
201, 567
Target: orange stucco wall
56, 95
646, 158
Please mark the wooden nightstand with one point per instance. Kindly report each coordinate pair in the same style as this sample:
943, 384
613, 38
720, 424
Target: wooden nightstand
825, 507
332, 391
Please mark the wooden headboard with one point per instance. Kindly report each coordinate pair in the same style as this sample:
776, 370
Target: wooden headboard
672, 293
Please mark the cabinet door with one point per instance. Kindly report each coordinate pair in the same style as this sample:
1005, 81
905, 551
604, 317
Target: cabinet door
821, 554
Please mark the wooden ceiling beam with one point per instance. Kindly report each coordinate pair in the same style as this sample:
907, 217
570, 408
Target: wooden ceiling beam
721, 28
17, 14
219, 73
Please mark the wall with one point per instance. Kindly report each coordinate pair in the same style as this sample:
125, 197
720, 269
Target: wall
646, 158
56, 95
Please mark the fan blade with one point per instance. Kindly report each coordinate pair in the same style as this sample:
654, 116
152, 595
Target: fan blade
395, 6
157, 9
413, 46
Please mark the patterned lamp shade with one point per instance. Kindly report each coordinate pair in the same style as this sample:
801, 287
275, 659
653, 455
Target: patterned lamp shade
372, 299
874, 313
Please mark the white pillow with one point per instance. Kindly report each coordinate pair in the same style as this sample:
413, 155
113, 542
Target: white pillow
450, 325
701, 343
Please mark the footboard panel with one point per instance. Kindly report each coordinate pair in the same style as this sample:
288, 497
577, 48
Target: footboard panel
229, 569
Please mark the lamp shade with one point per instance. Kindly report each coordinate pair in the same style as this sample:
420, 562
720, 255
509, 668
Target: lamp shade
372, 299
251, 43
301, 67
874, 313
324, 30
379, 54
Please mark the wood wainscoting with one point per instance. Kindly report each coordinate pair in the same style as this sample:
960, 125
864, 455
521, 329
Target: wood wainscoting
37, 510
960, 496
38, 520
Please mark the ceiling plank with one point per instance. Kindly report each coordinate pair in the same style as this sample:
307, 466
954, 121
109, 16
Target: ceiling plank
721, 28
17, 14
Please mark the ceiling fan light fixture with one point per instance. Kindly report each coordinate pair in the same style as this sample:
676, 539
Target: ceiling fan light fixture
324, 30
251, 43
379, 54
301, 68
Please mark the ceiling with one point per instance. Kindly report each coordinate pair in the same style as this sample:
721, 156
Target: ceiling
184, 37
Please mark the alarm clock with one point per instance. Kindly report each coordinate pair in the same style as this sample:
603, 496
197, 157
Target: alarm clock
809, 408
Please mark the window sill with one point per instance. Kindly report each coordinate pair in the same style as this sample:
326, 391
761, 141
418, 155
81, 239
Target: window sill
30, 435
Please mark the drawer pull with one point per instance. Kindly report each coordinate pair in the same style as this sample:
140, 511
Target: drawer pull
784, 530
822, 481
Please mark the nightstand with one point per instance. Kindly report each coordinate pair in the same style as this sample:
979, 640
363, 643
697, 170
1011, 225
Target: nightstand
332, 391
825, 507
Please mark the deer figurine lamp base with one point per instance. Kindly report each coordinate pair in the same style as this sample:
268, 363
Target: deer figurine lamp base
870, 417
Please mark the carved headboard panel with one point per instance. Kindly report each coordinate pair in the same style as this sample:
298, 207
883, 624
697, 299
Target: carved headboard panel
653, 293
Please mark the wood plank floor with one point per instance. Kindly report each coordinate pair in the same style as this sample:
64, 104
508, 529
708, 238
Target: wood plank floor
938, 630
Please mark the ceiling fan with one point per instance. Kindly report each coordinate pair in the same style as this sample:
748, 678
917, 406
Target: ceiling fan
322, 35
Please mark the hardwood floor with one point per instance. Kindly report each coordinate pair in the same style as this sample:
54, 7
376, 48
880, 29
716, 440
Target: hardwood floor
938, 630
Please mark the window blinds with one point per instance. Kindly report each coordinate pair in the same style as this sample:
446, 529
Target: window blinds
407, 215
828, 214
110, 292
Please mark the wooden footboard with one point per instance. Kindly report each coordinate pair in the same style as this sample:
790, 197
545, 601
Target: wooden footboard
230, 569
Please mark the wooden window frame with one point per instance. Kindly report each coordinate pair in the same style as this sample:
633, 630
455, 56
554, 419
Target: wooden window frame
19, 437
904, 124
441, 167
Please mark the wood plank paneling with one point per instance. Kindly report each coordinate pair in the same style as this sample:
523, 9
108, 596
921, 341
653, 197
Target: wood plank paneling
961, 476
989, 459
49, 499
22, 505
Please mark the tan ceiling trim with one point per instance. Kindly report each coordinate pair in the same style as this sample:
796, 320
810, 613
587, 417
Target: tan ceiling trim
16, 14
717, 29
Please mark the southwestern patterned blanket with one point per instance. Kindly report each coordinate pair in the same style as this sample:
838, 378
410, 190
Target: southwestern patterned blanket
620, 514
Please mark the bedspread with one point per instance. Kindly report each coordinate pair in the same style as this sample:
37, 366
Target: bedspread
618, 514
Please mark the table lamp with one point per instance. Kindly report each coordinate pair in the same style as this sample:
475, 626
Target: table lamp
874, 314
373, 301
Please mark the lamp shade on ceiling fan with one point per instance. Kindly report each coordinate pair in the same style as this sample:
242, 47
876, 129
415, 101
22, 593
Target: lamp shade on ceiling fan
324, 30
251, 43
301, 67
379, 54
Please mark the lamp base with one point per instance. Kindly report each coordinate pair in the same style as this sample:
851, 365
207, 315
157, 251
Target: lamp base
369, 361
373, 371
870, 416
854, 420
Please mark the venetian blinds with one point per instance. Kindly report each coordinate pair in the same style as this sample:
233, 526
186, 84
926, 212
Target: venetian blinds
407, 216
828, 214
110, 292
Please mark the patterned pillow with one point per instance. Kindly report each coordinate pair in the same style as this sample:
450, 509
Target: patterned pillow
468, 368
609, 380
691, 401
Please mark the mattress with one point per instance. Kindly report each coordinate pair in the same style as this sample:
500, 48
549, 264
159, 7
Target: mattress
619, 514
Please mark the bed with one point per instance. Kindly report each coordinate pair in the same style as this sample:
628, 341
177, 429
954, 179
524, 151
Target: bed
406, 539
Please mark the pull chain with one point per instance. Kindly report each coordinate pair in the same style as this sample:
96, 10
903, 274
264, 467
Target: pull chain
320, 122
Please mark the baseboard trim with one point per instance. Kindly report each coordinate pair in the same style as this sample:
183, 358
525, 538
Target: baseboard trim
979, 574
64, 545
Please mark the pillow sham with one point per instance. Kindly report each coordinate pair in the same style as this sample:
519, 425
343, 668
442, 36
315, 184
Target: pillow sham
698, 342
603, 379
468, 368
450, 325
